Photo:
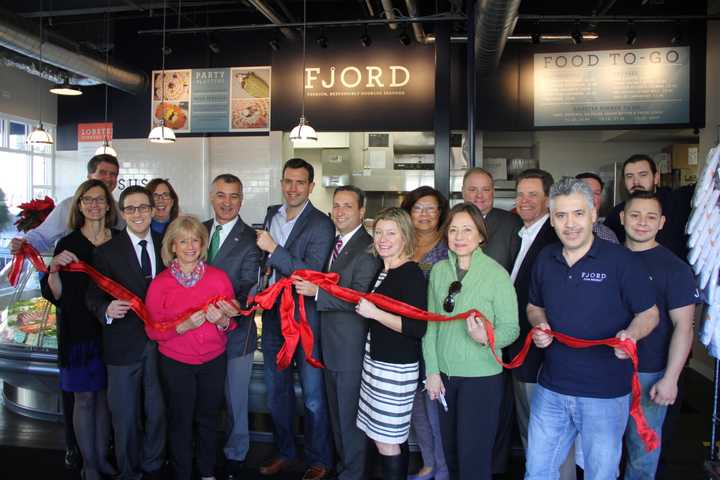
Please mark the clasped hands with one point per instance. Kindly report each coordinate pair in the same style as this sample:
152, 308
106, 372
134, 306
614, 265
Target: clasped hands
542, 339
218, 314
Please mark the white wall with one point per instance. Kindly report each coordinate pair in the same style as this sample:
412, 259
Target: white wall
26, 96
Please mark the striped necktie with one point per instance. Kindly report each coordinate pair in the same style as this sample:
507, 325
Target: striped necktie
336, 250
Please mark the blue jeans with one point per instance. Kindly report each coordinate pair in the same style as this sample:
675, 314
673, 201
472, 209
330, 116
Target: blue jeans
281, 397
642, 464
555, 421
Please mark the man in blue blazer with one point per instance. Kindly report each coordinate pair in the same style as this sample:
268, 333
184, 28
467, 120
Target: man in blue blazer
296, 236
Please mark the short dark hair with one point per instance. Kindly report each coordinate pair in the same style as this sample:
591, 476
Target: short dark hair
135, 189
98, 159
545, 177
642, 195
640, 157
594, 176
76, 219
412, 197
156, 182
476, 216
300, 163
352, 188
227, 178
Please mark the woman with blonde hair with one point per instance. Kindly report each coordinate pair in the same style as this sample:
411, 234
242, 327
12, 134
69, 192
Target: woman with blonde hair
192, 354
392, 352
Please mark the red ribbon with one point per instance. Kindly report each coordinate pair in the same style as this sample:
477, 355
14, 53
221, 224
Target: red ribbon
300, 332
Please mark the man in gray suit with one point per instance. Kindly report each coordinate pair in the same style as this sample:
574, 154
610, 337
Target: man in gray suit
502, 226
232, 248
342, 330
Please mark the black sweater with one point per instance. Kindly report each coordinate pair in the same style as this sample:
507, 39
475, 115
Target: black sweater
407, 284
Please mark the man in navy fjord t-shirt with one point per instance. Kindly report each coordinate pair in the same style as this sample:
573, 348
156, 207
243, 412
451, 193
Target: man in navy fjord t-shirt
663, 353
587, 288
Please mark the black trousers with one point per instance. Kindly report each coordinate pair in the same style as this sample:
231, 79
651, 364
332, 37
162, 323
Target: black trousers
469, 426
194, 395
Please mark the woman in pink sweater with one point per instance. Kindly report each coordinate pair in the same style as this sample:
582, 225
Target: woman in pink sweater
192, 354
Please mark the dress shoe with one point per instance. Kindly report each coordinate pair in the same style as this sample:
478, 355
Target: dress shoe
428, 476
73, 460
154, 475
316, 472
275, 466
233, 469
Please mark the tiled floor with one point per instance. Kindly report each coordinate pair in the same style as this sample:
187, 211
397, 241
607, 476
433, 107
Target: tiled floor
31, 449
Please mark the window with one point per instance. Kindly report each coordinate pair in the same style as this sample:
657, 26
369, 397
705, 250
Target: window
27, 170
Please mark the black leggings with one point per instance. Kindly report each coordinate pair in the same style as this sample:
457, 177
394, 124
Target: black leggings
469, 426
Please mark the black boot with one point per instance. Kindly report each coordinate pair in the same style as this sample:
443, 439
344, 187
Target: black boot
395, 467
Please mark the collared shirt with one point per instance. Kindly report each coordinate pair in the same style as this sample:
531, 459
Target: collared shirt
595, 298
675, 287
138, 249
225, 231
528, 235
281, 228
345, 239
602, 231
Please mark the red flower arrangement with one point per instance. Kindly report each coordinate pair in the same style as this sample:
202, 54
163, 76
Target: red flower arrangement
33, 213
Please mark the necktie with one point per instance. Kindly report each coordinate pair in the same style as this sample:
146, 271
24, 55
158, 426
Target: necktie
336, 250
214, 243
145, 266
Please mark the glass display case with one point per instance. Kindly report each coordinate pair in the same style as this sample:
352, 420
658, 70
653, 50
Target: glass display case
28, 347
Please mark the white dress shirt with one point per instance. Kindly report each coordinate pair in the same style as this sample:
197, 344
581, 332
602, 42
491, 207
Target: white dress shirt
528, 235
345, 239
226, 228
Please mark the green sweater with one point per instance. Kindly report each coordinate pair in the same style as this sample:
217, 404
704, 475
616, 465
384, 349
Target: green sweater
447, 346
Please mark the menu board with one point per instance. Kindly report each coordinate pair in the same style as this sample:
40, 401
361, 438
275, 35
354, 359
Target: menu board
206, 100
648, 86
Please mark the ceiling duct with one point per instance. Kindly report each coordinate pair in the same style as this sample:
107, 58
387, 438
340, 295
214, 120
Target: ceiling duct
18, 38
389, 13
494, 22
271, 15
418, 28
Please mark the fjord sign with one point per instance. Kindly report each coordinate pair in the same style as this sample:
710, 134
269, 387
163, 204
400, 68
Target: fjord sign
386, 86
648, 86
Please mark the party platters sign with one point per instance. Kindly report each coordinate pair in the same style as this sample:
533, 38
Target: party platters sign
212, 99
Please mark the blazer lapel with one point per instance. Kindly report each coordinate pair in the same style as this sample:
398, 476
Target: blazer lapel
299, 224
348, 251
132, 261
230, 241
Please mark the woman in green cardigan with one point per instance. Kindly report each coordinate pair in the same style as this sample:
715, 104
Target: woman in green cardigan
459, 364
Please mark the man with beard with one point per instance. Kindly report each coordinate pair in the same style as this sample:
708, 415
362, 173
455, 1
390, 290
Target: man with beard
641, 174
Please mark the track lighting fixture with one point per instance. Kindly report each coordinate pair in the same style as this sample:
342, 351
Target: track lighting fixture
274, 44
322, 40
631, 35
404, 38
365, 39
576, 34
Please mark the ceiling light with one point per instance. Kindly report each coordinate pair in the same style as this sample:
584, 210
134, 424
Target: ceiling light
404, 39
106, 149
302, 130
631, 35
161, 133
66, 89
39, 136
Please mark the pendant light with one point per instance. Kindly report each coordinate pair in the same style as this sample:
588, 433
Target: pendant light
106, 148
66, 89
303, 131
39, 136
161, 133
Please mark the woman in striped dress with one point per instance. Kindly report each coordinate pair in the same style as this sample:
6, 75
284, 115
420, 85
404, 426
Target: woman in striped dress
392, 351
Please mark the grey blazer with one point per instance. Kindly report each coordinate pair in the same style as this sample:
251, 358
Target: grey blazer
239, 257
503, 242
343, 331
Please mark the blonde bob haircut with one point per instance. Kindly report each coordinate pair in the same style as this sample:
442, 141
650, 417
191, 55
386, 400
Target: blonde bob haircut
184, 226
404, 222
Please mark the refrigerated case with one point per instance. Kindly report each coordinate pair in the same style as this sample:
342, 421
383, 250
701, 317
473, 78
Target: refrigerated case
28, 348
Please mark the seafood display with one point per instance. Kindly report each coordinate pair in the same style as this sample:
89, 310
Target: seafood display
29, 322
248, 114
174, 115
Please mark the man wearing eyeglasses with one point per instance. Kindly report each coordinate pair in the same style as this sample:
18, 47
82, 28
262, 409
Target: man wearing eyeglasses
132, 259
588, 288
100, 167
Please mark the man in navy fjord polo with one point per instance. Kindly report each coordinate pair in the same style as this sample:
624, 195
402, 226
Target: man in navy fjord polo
587, 288
664, 352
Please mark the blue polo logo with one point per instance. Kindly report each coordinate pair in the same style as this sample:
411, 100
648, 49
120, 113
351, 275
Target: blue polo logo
593, 276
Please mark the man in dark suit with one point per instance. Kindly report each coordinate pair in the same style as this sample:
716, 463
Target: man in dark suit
297, 236
503, 226
132, 259
232, 248
343, 332
532, 202
502, 246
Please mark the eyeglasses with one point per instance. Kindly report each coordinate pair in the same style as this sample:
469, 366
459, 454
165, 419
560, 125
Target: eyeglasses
449, 303
161, 196
93, 201
429, 209
130, 209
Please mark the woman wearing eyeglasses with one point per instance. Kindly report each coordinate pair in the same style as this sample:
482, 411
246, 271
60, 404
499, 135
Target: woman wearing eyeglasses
392, 352
458, 361
166, 204
427, 208
82, 370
